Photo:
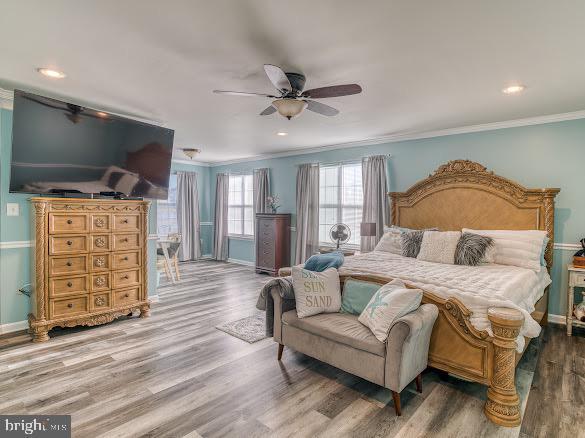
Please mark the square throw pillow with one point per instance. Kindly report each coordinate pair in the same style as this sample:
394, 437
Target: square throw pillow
522, 248
439, 246
411, 241
392, 301
390, 242
472, 249
356, 295
316, 292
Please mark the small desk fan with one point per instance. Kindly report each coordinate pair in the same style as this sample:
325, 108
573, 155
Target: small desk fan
339, 234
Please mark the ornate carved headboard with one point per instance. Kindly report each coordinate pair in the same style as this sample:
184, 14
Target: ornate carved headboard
463, 194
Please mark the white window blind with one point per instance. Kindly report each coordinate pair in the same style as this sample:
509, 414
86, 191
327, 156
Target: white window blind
166, 210
340, 200
241, 206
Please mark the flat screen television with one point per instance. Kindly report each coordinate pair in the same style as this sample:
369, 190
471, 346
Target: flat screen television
59, 147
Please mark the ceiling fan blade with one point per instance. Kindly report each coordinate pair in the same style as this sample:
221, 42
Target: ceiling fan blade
321, 108
242, 93
268, 111
333, 91
278, 78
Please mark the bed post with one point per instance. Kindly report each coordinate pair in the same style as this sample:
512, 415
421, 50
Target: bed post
503, 405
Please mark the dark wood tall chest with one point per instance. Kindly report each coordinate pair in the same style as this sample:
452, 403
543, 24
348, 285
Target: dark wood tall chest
272, 242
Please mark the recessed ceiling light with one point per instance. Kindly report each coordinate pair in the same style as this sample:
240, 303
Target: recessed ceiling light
55, 74
282, 134
514, 89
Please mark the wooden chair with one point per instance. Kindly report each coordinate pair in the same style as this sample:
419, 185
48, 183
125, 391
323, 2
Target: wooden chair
167, 255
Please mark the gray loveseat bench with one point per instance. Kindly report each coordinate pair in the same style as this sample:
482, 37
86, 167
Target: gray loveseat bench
339, 339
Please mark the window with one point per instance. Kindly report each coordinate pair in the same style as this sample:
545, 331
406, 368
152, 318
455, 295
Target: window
240, 206
340, 200
166, 210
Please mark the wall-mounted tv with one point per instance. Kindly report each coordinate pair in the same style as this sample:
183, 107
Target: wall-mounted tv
62, 147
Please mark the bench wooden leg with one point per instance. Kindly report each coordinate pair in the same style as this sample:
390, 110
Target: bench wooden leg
419, 383
396, 398
280, 349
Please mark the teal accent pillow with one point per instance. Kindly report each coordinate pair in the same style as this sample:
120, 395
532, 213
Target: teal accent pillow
356, 295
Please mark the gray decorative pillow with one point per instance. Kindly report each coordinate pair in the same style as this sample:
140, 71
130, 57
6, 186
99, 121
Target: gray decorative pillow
472, 248
411, 241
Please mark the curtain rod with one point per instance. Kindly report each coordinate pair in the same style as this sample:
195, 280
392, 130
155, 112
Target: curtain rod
337, 163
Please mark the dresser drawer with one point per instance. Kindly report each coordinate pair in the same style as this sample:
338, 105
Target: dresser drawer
100, 282
100, 223
100, 242
126, 222
126, 241
127, 259
577, 279
73, 285
71, 265
69, 306
126, 296
68, 223
100, 301
68, 244
130, 277
100, 262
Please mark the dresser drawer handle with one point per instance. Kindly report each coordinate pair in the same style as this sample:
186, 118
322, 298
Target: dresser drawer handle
125, 259
70, 305
69, 221
124, 240
69, 242
126, 295
125, 221
125, 277
68, 263
69, 284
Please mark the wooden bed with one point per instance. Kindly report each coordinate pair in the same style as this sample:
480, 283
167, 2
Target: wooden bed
463, 194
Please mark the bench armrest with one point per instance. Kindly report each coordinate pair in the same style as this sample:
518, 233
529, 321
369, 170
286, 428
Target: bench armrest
280, 306
407, 347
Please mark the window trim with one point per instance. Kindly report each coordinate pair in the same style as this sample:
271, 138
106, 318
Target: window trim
242, 207
340, 205
160, 202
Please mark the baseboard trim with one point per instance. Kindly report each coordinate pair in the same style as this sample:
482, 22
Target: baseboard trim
13, 327
154, 298
557, 319
241, 262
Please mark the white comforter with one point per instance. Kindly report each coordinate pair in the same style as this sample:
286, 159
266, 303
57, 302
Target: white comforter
477, 287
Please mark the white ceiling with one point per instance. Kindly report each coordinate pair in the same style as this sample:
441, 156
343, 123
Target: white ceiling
423, 65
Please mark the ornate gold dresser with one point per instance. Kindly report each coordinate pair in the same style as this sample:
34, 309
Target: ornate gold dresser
89, 262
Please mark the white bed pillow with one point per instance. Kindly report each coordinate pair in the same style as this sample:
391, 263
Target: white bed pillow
390, 241
439, 246
520, 248
392, 301
316, 292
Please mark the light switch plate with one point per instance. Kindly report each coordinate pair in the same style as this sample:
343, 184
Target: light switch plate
12, 209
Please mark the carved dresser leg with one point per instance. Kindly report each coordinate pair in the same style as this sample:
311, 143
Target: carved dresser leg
503, 405
40, 334
145, 311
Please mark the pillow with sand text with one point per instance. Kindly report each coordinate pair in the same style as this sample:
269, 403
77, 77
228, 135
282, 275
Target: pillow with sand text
316, 292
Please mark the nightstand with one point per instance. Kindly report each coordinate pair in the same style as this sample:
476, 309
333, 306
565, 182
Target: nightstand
576, 279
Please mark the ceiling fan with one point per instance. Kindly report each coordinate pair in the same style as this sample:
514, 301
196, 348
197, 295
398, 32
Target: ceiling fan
74, 113
291, 100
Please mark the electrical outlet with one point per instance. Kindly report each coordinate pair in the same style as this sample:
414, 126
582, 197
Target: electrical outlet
12, 209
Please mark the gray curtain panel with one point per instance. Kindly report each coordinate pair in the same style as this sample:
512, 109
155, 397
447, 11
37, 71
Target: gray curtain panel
261, 190
220, 240
375, 207
307, 212
188, 216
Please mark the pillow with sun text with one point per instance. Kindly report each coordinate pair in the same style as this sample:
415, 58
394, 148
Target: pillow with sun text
316, 292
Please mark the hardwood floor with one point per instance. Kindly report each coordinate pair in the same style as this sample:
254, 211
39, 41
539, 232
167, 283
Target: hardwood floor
175, 375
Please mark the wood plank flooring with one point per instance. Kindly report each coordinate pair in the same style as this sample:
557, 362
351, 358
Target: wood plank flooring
175, 375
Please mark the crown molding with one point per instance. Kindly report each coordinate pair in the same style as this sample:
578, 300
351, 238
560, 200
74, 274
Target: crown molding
7, 97
192, 162
394, 138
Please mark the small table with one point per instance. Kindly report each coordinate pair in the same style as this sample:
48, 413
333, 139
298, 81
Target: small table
576, 279
346, 252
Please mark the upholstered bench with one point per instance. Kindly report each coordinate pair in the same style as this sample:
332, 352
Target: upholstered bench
339, 339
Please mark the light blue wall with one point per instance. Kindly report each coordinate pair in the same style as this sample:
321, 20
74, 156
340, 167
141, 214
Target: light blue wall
549, 155
15, 262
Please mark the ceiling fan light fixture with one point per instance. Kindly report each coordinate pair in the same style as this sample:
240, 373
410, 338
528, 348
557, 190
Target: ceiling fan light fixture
514, 89
289, 108
191, 152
